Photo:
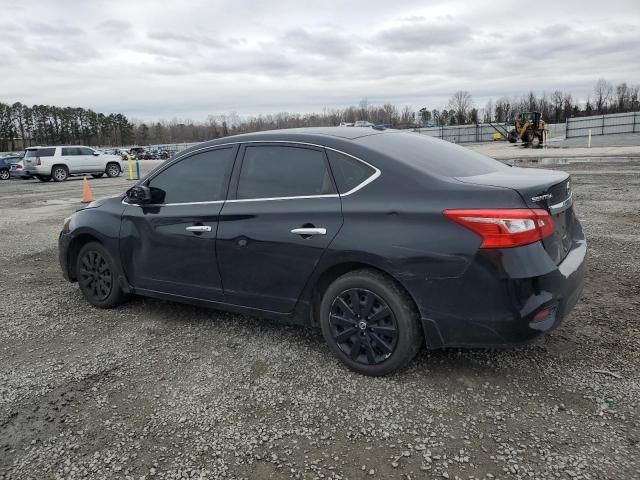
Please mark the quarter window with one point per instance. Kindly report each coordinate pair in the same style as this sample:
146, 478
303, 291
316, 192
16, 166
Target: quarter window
281, 171
348, 172
202, 177
46, 152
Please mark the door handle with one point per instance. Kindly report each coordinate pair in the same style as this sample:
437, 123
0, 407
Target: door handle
199, 228
309, 231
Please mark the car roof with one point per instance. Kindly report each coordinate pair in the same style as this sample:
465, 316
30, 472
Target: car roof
347, 133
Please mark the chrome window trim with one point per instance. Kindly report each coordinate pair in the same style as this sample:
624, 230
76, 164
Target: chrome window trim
361, 185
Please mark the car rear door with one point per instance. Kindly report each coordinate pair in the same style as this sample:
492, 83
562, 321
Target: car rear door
72, 158
282, 213
169, 246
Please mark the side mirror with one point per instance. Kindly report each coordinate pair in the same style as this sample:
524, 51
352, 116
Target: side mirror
96, 154
139, 195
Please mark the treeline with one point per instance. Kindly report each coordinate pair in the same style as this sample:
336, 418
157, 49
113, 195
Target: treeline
22, 126
555, 107
43, 124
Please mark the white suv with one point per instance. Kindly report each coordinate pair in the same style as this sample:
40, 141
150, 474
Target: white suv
58, 163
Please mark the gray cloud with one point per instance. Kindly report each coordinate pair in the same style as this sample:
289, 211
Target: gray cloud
418, 35
153, 60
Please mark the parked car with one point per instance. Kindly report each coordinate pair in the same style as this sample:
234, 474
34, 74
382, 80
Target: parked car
7, 163
387, 241
137, 151
61, 162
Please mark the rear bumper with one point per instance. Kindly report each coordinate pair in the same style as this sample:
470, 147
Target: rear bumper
495, 302
19, 174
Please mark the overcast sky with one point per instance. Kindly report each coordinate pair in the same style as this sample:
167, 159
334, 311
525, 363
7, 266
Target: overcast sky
187, 59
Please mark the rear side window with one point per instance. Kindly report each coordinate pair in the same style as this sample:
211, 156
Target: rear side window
348, 172
67, 151
199, 178
281, 171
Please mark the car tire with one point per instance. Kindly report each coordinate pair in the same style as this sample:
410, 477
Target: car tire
378, 336
59, 173
4, 174
97, 175
43, 178
98, 276
113, 170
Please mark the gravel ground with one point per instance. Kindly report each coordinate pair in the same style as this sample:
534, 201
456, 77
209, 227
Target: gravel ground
155, 390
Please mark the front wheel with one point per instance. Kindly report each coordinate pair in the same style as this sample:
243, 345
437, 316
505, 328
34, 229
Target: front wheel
4, 174
98, 276
370, 323
113, 170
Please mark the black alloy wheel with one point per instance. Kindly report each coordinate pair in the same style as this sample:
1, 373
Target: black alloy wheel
363, 326
370, 322
95, 276
98, 276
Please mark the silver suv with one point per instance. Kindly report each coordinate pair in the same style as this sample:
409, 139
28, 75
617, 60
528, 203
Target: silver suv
58, 163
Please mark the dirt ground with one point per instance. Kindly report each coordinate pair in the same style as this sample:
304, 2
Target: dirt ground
155, 390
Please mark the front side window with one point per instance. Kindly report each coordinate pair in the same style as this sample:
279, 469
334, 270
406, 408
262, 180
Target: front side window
282, 171
202, 177
85, 151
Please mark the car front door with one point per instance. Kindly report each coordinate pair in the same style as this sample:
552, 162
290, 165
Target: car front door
168, 246
282, 213
90, 161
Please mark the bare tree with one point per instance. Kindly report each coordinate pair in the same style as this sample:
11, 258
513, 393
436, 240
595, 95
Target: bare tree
461, 102
602, 91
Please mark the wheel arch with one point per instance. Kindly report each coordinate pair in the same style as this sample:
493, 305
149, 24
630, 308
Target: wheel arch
327, 275
75, 246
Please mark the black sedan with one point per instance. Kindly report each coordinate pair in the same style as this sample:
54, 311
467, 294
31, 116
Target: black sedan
388, 241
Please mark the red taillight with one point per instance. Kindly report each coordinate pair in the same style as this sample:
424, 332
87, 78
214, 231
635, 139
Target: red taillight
503, 228
38, 162
18, 166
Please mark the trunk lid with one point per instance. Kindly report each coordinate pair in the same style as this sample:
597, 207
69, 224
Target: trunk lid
539, 188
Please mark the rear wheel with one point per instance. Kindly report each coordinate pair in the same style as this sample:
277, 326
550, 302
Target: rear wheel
113, 170
59, 173
98, 276
513, 136
370, 323
4, 174
43, 178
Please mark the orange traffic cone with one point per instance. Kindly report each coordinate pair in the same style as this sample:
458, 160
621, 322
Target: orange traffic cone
87, 197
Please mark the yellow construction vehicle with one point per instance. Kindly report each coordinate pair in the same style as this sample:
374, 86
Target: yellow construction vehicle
530, 128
